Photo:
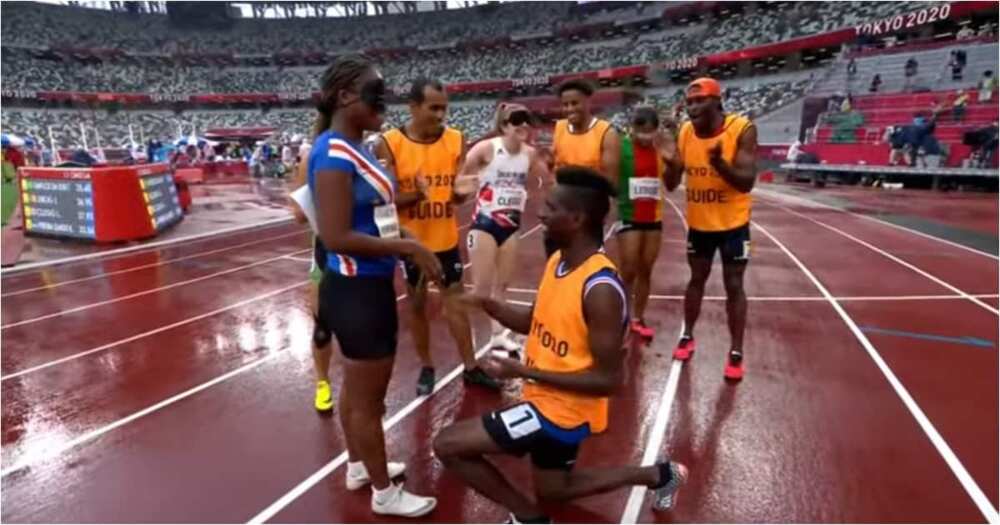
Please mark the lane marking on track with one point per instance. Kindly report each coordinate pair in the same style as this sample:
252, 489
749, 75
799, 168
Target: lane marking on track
963, 476
787, 197
141, 247
285, 500
151, 332
93, 434
657, 434
633, 506
958, 340
300, 259
149, 291
341, 458
892, 257
146, 266
59, 450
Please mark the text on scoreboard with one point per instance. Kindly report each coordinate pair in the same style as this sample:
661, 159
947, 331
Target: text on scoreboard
58, 207
160, 194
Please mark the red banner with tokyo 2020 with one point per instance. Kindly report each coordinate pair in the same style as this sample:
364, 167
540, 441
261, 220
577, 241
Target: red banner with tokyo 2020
105, 204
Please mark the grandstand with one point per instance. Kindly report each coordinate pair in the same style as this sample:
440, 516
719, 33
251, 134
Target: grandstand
177, 239
90, 76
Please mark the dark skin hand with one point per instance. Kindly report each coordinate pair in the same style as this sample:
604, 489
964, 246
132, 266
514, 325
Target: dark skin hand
742, 173
517, 318
603, 312
673, 167
403, 199
666, 144
334, 221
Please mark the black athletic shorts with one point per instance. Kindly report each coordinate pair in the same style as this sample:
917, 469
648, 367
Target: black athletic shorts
629, 226
361, 313
451, 263
733, 245
521, 429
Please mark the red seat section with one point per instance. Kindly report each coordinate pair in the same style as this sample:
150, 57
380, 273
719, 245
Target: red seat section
897, 109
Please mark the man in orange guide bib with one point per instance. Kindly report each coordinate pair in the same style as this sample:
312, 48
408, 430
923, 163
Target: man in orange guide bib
426, 156
581, 139
716, 154
575, 361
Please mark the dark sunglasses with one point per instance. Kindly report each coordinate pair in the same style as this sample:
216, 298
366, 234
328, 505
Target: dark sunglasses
519, 118
643, 121
372, 93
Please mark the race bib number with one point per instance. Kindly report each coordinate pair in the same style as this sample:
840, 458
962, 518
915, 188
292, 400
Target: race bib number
520, 421
644, 188
387, 221
511, 199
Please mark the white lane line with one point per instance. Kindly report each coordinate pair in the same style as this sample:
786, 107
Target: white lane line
655, 439
151, 332
963, 476
336, 462
520, 303
659, 430
61, 449
786, 197
147, 292
300, 259
151, 265
893, 258
140, 247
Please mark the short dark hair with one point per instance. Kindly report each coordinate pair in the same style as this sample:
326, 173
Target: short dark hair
591, 193
579, 84
644, 115
416, 94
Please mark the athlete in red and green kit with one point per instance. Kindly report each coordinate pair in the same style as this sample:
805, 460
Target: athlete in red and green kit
640, 211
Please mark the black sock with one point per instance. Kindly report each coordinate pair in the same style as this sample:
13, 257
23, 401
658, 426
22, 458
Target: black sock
665, 475
685, 338
736, 356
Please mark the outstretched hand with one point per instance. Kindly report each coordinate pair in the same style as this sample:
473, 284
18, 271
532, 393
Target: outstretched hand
666, 145
470, 300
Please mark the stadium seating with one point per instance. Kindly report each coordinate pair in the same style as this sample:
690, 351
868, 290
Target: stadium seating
147, 55
897, 109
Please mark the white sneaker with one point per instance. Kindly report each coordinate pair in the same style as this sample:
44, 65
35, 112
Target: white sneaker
357, 477
396, 501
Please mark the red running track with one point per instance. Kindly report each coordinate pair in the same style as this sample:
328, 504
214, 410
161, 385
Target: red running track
175, 385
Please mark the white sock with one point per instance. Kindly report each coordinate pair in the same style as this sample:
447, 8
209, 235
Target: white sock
356, 469
381, 496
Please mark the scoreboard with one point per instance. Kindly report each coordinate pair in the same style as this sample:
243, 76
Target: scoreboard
160, 194
99, 204
58, 207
